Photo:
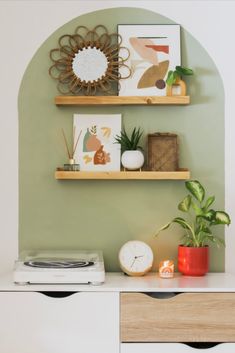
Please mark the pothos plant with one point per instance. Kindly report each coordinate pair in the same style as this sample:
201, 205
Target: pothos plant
174, 75
198, 227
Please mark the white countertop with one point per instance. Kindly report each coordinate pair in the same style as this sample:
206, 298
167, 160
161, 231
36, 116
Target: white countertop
118, 282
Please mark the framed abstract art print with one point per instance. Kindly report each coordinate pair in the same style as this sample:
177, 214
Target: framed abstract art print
154, 50
96, 149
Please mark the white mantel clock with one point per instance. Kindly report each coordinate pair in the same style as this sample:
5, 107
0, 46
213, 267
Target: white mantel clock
135, 258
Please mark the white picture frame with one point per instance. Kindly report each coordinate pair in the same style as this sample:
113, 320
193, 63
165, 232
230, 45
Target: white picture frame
154, 51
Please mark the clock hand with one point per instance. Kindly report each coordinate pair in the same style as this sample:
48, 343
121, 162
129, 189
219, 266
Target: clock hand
135, 258
133, 261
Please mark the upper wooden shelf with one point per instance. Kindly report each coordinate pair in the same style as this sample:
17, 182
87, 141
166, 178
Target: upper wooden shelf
181, 174
125, 100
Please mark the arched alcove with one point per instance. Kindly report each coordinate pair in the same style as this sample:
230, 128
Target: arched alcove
104, 214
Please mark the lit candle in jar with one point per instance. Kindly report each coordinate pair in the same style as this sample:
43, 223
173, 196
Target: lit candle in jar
166, 269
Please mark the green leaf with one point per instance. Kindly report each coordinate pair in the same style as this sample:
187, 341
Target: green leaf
197, 209
176, 76
209, 216
186, 240
163, 228
184, 70
206, 230
184, 205
170, 78
178, 220
129, 143
133, 136
222, 218
209, 202
196, 189
181, 222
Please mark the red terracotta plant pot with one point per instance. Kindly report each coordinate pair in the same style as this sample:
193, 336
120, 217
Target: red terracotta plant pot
193, 261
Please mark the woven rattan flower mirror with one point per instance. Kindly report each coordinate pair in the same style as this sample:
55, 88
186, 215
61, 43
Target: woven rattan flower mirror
88, 61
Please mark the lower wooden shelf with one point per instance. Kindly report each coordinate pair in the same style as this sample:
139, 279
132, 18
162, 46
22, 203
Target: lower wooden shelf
181, 174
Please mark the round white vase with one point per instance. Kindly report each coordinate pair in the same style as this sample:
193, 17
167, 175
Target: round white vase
132, 160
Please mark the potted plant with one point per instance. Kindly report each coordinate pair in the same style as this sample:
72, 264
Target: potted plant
132, 155
174, 79
193, 252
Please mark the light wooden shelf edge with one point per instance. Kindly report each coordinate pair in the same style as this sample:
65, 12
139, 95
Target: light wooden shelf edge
125, 100
181, 174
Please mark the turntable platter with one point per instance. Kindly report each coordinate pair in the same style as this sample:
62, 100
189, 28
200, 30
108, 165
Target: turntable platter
58, 264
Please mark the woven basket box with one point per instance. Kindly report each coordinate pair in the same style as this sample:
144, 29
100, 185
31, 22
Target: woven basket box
163, 152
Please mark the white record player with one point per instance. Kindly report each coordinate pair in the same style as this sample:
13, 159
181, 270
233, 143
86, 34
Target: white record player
60, 267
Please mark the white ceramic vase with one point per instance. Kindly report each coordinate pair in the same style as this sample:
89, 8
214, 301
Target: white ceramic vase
132, 160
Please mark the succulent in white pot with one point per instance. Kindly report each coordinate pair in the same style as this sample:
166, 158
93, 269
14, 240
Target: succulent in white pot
132, 155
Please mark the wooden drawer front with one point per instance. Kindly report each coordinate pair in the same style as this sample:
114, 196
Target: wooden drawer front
174, 347
186, 317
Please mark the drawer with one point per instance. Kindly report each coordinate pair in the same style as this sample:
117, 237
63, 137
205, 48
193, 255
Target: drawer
174, 347
32, 322
185, 317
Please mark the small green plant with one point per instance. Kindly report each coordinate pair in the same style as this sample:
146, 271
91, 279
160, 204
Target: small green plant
129, 143
179, 71
202, 218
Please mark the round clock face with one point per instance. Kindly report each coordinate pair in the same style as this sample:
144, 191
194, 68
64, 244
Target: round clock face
135, 258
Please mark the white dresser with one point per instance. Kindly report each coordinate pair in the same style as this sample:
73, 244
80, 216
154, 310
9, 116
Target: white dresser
125, 314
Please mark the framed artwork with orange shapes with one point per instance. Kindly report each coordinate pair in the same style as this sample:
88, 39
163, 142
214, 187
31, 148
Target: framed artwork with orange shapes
154, 50
96, 149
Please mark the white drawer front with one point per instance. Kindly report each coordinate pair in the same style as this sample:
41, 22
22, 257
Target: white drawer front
173, 348
32, 322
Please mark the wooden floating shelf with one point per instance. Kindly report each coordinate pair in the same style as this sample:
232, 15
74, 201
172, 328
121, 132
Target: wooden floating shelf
181, 174
125, 100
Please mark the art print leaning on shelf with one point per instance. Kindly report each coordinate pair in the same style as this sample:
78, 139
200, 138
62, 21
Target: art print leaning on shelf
96, 150
154, 50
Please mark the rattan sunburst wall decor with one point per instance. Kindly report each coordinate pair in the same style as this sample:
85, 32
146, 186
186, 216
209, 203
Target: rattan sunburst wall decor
88, 61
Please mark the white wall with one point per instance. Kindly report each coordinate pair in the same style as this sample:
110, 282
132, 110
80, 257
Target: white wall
24, 25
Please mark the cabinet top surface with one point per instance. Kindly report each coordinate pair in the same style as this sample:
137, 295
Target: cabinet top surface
118, 282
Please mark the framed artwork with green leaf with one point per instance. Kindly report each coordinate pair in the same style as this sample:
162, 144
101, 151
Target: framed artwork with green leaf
154, 51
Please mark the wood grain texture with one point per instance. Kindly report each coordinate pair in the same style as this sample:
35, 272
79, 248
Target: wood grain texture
125, 100
187, 317
181, 174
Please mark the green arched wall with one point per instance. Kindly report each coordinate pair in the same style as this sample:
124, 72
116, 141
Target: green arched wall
104, 214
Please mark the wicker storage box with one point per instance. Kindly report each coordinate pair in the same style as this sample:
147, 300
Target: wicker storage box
163, 152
